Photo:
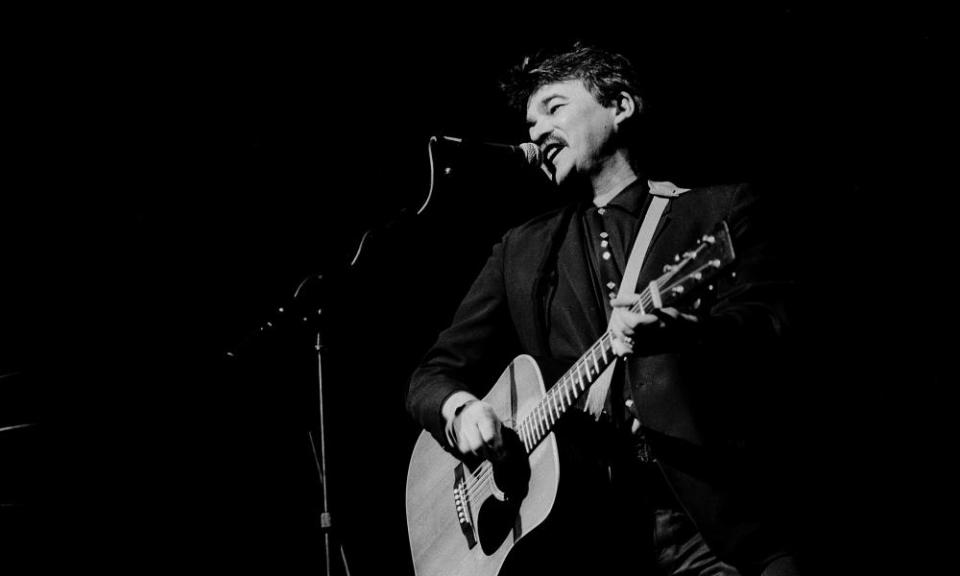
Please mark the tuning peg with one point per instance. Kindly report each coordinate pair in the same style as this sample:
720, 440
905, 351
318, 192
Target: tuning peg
676, 257
678, 289
668, 268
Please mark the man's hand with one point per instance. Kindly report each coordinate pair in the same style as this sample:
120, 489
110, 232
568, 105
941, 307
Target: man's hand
654, 330
473, 428
477, 430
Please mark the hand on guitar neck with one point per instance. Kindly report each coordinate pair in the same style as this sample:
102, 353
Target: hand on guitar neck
666, 327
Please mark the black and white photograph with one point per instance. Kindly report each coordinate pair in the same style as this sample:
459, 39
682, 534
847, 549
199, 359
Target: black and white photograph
476, 291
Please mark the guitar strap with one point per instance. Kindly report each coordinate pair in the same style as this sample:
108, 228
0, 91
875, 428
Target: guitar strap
662, 192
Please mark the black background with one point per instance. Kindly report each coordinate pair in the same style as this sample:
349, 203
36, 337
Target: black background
171, 178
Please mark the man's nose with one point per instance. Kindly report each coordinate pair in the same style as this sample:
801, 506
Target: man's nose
539, 131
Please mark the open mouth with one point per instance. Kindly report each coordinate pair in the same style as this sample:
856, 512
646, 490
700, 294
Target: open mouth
551, 150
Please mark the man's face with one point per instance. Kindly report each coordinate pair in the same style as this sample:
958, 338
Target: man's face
572, 129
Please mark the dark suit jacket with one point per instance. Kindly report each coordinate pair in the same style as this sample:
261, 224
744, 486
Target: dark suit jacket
701, 399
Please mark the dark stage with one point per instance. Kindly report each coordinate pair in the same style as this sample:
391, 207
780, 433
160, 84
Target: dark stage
171, 179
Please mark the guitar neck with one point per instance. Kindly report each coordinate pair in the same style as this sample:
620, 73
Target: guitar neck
570, 387
691, 270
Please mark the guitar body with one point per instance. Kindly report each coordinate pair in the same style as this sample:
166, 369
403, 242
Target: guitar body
457, 521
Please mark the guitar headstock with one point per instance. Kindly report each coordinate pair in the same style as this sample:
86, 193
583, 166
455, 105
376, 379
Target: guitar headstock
696, 267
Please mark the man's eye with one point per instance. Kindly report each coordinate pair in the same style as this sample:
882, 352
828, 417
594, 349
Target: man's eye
553, 109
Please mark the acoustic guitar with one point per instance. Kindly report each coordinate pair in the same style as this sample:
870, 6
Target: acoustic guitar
460, 523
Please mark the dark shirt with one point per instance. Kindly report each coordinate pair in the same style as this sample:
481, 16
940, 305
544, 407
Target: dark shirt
608, 230
609, 233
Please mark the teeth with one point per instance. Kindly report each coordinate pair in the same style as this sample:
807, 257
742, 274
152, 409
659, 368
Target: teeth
552, 151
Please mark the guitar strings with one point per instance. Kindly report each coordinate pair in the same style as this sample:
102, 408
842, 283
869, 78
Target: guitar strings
482, 479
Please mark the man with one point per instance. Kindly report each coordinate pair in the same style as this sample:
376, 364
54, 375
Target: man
687, 396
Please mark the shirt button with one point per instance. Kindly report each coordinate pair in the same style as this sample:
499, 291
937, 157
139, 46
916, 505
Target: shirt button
604, 243
611, 285
603, 234
606, 255
601, 211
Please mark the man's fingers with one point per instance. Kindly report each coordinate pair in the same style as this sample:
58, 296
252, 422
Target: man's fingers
623, 322
478, 430
669, 314
625, 301
468, 439
490, 433
646, 319
620, 348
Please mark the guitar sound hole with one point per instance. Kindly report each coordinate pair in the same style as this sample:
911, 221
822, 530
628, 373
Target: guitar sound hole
495, 523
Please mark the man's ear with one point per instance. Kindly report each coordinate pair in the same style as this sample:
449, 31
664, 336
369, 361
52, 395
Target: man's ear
625, 106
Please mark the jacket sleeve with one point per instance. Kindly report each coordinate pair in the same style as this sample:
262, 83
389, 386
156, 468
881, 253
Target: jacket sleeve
470, 353
752, 305
714, 377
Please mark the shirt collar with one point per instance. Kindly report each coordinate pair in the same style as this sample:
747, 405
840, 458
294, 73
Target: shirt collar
632, 197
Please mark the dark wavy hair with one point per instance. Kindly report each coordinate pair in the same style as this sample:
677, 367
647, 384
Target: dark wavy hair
605, 74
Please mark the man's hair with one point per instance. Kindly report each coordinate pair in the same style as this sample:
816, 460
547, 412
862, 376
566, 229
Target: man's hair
605, 74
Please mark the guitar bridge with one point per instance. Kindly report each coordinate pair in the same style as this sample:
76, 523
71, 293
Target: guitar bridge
462, 503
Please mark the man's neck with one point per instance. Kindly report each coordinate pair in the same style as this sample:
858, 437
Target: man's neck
612, 180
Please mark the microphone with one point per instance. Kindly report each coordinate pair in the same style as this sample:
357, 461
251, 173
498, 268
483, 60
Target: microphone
529, 151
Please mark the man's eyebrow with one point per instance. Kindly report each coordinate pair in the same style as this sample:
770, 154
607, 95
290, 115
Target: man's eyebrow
545, 101
550, 96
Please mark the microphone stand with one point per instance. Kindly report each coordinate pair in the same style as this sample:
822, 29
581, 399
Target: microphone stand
305, 311
320, 457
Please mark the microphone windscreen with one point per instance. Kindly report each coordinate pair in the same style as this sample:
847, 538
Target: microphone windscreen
531, 152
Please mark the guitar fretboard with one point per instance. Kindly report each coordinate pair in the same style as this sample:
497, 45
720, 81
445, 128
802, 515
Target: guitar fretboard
712, 253
584, 372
